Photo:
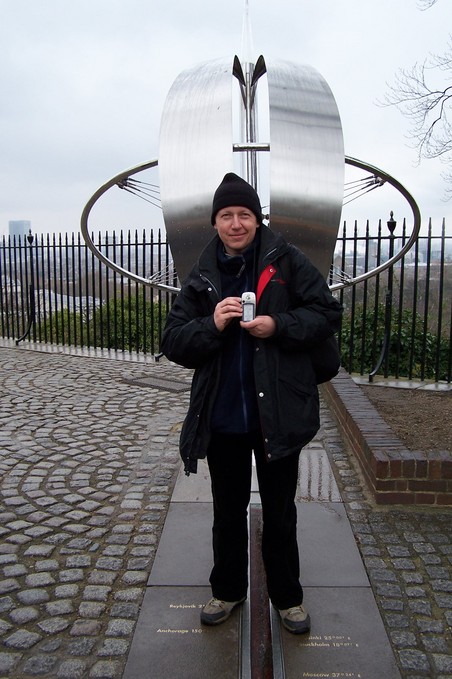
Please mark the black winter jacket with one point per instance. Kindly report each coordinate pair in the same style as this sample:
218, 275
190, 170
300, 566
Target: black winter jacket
294, 293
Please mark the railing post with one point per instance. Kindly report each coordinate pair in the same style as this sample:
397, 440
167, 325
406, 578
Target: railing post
384, 356
31, 295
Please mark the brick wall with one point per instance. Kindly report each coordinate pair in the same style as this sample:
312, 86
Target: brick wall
394, 474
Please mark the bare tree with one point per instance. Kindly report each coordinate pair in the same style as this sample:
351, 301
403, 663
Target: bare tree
423, 96
426, 4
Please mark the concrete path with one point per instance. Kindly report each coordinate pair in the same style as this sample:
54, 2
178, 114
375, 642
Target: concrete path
88, 464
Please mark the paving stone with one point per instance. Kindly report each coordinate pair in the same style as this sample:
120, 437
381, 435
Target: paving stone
20, 616
4, 627
120, 628
105, 669
442, 663
386, 590
112, 647
403, 639
39, 665
102, 577
39, 580
382, 575
420, 607
66, 591
110, 563
60, 607
9, 585
431, 626
47, 565
125, 610
54, 625
37, 531
29, 597
91, 609
443, 600
8, 661
72, 669
129, 594
138, 564
404, 564
50, 645
392, 604
19, 539
395, 620
414, 660
415, 592
441, 585
39, 550
96, 592
78, 561
22, 639
413, 578
71, 575
134, 577
83, 646
437, 573
435, 644
18, 525
82, 628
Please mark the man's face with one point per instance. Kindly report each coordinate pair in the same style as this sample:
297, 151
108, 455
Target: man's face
236, 227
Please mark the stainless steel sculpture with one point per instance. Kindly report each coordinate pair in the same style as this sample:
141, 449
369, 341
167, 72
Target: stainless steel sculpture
306, 175
195, 150
299, 166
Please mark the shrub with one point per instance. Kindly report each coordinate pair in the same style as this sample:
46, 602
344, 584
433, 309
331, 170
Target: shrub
132, 324
412, 352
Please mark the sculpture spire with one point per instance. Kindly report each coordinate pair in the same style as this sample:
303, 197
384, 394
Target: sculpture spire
247, 49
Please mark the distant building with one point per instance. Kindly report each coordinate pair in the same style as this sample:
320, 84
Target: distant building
19, 227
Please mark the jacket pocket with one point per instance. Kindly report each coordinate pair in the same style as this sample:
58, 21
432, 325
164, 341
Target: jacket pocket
298, 413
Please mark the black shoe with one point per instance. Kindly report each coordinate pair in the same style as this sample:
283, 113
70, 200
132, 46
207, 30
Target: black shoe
296, 619
217, 611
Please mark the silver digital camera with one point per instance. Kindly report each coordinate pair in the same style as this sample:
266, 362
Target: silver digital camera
248, 306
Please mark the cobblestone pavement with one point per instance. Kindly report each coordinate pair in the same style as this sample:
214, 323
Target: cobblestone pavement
88, 460
407, 553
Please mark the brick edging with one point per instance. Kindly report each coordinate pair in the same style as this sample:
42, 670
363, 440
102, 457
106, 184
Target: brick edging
394, 474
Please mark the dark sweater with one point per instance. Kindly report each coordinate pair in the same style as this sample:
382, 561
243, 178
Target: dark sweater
235, 409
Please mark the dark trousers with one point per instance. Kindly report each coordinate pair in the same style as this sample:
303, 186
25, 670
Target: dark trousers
229, 460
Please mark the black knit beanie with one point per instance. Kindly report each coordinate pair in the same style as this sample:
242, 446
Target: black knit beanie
234, 190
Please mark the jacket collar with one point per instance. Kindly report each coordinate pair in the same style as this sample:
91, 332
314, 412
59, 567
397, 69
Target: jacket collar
272, 246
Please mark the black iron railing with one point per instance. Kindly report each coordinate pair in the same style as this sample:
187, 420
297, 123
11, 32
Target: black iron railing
408, 308
54, 290
79, 301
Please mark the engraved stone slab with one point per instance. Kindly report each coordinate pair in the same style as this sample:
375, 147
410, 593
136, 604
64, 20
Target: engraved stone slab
184, 556
328, 553
193, 488
170, 643
347, 638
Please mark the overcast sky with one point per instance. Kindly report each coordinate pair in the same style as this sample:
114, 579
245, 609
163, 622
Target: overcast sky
83, 84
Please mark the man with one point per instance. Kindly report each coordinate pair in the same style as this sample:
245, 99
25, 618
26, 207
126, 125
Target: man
254, 390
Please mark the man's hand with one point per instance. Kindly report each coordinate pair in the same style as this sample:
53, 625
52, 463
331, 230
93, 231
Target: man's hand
226, 310
262, 326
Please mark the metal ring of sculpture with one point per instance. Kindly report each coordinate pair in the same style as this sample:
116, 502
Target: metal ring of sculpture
379, 175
